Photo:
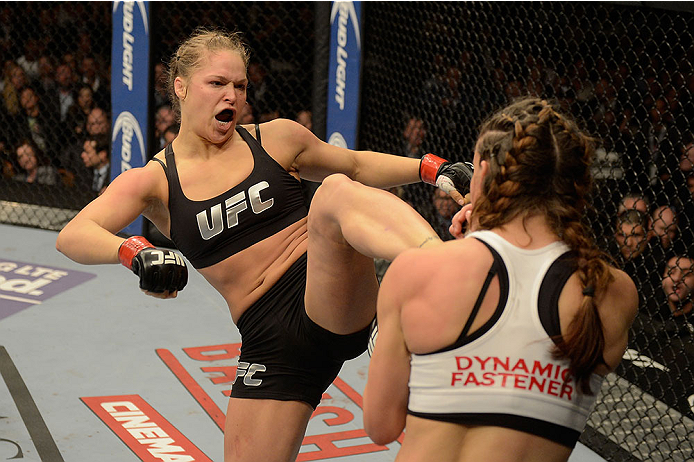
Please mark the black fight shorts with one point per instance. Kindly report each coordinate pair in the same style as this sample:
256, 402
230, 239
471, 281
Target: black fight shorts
284, 354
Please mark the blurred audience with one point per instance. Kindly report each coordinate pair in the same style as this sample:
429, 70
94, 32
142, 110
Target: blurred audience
34, 168
444, 209
413, 136
163, 118
171, 133
305, 118
37, 123
14, 82
96, 156
77, 114
66, 89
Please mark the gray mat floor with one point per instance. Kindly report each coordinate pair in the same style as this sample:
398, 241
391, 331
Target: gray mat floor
92, 369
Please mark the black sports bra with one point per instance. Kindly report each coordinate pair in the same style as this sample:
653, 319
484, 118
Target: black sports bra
267, 201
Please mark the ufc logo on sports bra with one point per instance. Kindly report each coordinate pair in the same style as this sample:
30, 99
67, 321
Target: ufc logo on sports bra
233, 206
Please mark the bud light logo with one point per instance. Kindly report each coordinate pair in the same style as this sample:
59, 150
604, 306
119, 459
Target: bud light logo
130, 90
346, 14
344, 74
129, 38
127, 125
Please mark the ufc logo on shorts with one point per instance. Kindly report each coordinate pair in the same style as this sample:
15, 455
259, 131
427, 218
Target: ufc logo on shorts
233, 206
246, 370
166, 257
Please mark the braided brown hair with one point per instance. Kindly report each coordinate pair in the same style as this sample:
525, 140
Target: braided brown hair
540, 164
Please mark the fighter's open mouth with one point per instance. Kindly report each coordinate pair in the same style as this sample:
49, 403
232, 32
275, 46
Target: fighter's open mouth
225, 116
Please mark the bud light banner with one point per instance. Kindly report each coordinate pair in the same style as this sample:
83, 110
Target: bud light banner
129, 90
344, 74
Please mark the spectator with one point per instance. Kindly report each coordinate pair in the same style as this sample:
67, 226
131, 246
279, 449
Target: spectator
631, 233
163, 119
634, 201
663, 333
268, 115
414, 134
98, 122
687, 158
444, 209
76, 120
36, 122
96, 157
29, 61
69, 59
71, 157
89, 74
678, 286
161, 97
83, 47
15, 81
171, 133
247, 114
8, 161
45, 81
663, 227
34, 168
258, 88
66, 89
632, 250
661, 137
305, 118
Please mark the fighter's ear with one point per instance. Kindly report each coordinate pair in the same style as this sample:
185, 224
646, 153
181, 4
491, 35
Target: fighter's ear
180, 88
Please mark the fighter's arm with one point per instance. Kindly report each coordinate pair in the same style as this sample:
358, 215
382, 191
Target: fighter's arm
617, 310
386, 394
315, 159
90, 237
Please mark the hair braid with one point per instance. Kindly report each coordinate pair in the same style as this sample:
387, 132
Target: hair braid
540, 163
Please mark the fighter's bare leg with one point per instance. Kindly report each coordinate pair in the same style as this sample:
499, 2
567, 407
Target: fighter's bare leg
349, 225
264, 430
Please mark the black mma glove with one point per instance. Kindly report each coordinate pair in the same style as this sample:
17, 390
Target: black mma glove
159, 270
444, 174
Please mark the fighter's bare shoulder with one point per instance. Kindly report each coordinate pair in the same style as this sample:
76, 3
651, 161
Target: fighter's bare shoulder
148, 181
449, 263
284, 139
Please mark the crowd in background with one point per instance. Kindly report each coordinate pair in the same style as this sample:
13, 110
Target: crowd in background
55, 95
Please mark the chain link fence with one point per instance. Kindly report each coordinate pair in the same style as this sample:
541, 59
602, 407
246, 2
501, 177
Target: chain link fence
431, 72
55, 92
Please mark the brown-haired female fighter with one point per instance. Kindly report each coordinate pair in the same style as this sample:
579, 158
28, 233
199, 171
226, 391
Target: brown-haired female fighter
503, 336
300, 285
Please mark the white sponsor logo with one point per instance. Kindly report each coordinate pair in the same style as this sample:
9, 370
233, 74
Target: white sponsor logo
346, 12
146, 432
129, 38
128, 124
336, 139
40, 277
